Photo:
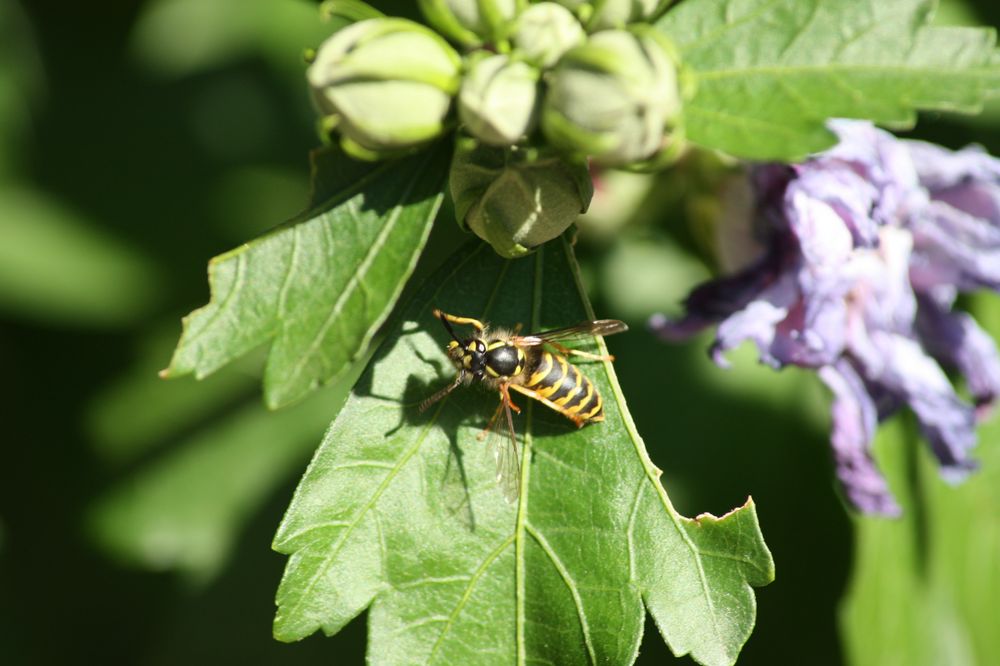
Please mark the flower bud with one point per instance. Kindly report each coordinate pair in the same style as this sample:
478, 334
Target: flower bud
545, 31
472, 22
612, 97
385, 83
498, 101
516, 199
598, 15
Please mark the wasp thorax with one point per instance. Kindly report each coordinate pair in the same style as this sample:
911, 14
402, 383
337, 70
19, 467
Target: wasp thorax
503, 359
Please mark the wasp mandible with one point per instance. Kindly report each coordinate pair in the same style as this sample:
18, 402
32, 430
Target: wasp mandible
503, 361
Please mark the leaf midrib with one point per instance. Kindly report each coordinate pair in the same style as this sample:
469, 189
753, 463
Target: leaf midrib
356, 275
812, 69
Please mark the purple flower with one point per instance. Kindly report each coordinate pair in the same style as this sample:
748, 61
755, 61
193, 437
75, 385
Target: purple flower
864, 250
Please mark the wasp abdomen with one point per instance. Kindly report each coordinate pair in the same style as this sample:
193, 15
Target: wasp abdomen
557, 380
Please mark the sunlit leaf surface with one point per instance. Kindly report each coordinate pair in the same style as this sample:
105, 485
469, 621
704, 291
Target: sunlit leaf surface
399, 510
317, 287
770, 72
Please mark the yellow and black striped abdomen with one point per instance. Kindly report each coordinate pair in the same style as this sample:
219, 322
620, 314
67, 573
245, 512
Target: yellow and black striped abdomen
566, 388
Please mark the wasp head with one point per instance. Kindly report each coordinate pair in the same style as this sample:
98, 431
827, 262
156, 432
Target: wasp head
468, 355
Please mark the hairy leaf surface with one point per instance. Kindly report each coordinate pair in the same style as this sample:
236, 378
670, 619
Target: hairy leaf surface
399, 511
319, 286
770, 72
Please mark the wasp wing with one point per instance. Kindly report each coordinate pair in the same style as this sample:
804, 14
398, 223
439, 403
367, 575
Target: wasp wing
583, 330
502, 445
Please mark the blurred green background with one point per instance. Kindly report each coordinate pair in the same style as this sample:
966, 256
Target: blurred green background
139, 139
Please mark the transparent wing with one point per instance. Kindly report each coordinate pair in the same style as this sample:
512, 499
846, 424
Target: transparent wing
502, 445
583, 330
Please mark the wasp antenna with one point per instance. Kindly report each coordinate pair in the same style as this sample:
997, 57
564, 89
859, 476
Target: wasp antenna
442, 393
444, 320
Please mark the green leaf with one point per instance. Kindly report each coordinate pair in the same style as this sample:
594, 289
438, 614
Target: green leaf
319, 286
57, 266
770, 72
348, 10
186, 510
221, 32
924, 588
400, 511
137, 411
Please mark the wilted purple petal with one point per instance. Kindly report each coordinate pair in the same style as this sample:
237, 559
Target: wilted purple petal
882, 286
854, 422
957, 340
940, 169
758, 322
948, 423
880, 159
955, 248
830, 212
715, 300
811, 334
978, 199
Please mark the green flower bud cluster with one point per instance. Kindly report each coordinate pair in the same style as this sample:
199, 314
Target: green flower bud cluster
540, 89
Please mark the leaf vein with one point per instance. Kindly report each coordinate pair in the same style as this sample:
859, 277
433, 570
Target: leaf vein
348, 291
570, 585
467, 592
352, 525
711, 38
286, 283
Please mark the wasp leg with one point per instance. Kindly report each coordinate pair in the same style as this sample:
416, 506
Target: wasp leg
566, 351
531, 393
460, 321
504, 401
505, 397
489, 426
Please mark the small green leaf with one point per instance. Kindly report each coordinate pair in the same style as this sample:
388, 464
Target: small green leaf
57, 266
319, 286
185, 511
136, 412
221, 32
348, 10
770, 72
400, 511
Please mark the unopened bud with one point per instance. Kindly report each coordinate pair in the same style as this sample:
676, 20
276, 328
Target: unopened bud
498, 101
545, 31
603, 14
472, 22
385, 83
613, 97
514, 198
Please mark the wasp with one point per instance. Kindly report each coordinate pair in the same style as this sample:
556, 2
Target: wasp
533, 365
